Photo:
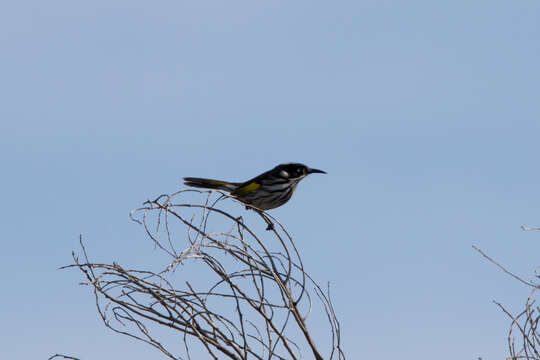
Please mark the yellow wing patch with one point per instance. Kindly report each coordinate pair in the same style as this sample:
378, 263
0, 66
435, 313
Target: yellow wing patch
252, 186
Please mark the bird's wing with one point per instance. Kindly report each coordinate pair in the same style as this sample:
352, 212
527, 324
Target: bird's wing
246, 188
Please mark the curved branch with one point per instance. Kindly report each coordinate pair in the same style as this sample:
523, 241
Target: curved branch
248, 296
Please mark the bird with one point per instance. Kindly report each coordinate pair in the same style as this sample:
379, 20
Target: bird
269, 190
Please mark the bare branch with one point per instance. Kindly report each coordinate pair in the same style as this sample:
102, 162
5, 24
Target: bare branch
55, 356
241, 293
525, 322
503, 268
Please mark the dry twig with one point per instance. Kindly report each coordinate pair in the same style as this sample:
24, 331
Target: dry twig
526, 322
61, 356
248, 295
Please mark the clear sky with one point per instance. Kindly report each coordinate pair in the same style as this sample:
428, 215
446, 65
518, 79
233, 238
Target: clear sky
425, 114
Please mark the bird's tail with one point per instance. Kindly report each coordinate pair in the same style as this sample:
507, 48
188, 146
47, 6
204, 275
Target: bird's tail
210, 184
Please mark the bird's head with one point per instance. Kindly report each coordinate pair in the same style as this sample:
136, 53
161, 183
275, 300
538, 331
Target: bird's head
295, 171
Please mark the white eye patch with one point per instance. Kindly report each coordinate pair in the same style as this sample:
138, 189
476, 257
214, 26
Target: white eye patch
284, 174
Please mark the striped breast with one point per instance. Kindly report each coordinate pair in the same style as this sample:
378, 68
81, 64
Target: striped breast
272, 193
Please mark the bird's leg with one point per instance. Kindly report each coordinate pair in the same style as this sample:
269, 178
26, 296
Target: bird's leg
261, 213
268, 221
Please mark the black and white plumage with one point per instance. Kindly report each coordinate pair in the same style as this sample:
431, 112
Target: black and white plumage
264, 192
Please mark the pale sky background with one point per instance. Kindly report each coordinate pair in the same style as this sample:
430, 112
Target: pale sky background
425, 114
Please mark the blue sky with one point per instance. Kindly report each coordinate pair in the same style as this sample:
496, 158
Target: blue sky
424, 114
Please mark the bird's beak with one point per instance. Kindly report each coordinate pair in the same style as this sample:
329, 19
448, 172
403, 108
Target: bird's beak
312, 171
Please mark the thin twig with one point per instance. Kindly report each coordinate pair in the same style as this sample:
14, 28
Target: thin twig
240, 301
